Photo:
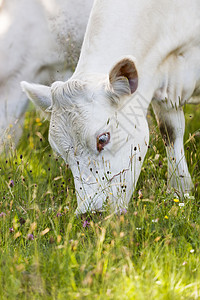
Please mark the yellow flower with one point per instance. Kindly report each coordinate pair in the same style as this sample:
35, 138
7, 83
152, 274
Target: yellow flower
176, 200
166, 217
37, 120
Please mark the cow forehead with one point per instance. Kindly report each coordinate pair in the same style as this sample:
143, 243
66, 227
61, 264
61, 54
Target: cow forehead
88, 96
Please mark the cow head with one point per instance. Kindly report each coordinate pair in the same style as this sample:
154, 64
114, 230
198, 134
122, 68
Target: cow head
98, 126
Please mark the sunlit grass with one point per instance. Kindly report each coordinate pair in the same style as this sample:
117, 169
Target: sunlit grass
150, 252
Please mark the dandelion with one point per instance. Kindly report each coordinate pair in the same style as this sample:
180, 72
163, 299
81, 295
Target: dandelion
86, 224
166, 217
176, 200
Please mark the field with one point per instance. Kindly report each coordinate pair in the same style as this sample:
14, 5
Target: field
149, 252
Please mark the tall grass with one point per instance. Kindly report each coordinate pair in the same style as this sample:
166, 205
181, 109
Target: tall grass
149, 252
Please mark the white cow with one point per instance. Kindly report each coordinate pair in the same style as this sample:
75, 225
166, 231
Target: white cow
134, 53
39, 40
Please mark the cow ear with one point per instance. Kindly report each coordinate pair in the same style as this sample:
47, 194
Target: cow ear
39, 94
123, 72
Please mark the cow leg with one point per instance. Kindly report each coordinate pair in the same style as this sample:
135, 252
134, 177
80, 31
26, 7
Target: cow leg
171, 122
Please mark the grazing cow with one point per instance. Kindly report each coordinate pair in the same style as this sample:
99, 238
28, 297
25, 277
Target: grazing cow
134, 53
39, 40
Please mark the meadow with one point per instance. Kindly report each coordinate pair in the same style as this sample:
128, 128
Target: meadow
149, 252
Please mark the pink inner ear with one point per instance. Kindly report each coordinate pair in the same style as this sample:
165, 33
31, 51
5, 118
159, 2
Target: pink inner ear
125, 68
133, 84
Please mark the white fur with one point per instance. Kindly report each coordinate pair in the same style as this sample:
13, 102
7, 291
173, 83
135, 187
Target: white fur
39, 41
162, 40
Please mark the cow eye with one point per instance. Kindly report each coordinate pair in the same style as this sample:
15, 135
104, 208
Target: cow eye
103, 140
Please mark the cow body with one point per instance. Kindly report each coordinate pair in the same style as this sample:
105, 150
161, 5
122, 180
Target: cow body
134, 53
39, 40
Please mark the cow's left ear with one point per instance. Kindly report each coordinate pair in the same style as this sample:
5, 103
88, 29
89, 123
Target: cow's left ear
124, 71
39, 94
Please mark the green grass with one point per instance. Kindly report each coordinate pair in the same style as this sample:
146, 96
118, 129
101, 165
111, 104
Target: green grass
151, 252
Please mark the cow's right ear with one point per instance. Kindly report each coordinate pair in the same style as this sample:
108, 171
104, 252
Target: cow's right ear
39, 94
124, 71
